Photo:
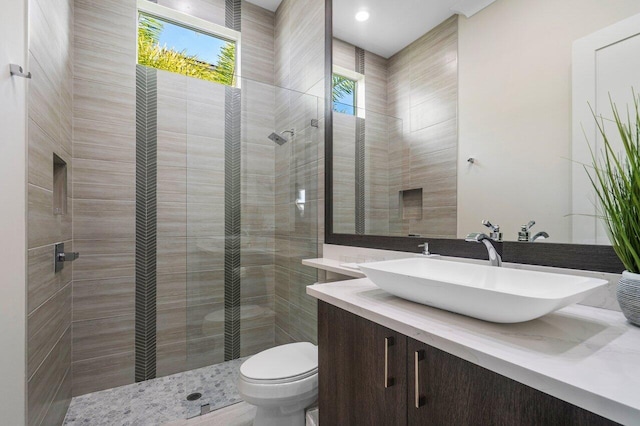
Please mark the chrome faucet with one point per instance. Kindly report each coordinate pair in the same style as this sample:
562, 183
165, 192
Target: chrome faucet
525, 234
540, 236
477, 237
495, 234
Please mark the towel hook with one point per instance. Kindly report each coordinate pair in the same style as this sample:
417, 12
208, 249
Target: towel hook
18, 72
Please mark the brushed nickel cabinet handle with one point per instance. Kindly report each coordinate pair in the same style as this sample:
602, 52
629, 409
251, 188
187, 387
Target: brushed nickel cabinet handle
417, 357
388, 381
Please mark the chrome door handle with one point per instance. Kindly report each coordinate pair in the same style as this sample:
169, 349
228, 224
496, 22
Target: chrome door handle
68, 257
388, 381
417, 357
60, 257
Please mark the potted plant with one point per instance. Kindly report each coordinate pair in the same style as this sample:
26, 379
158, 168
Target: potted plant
615, 176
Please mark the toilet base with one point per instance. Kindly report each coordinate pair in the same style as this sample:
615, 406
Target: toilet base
274, 416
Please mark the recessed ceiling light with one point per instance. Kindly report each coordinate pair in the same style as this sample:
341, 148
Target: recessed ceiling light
362, 16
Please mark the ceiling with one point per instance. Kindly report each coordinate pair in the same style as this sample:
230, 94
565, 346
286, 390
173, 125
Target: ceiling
392, 25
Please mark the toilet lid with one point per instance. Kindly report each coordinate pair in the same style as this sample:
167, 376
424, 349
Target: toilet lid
281, 362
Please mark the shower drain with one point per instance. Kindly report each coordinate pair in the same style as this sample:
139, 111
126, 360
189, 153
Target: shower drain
194, 396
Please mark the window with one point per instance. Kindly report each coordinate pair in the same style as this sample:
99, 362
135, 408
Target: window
348, 91
168, 40
344, 94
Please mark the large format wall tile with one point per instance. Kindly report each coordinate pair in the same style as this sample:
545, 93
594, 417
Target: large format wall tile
423, 92
104, 372
45, 326
48, 293
103, 220
42, 281
102, 337
43, 386
45, 227
103, 298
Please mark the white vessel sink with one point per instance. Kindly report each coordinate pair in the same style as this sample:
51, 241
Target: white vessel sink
485, 292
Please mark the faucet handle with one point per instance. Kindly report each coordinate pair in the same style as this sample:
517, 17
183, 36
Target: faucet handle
494, 228
529, 225
425, 248
495, 234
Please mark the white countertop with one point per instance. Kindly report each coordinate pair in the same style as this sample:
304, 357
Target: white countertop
589, 357
333, 266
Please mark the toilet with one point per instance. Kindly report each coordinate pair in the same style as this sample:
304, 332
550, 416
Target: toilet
281, 382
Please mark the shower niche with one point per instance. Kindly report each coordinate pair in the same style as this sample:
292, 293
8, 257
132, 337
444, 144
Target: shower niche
59, 186
411, 204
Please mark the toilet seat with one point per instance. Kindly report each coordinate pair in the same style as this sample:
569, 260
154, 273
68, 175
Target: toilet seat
282, 364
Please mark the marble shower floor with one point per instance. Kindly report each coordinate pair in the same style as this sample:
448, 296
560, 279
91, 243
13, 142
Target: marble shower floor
158, 401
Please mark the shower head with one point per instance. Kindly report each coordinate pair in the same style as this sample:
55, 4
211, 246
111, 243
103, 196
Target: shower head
280, 139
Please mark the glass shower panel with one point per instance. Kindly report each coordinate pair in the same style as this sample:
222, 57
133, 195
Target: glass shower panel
171, 244
206, 124
370, 194
252, 156
298, 206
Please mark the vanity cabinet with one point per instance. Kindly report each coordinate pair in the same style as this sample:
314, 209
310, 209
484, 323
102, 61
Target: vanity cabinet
362, 370
371, 375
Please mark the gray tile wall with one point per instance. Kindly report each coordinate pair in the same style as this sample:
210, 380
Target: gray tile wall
410, 137
191, 191
104, 194
190, 232
423, 92
376, 147
190, 253
49, 132
299, 62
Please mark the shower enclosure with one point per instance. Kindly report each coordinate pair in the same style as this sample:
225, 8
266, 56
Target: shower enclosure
234, 174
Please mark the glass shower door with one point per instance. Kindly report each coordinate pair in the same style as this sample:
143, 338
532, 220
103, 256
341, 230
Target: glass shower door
252, 214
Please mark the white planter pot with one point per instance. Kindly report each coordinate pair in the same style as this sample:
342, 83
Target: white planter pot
629, 296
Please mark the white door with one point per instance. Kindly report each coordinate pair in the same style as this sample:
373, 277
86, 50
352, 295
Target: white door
605, 63
13, 49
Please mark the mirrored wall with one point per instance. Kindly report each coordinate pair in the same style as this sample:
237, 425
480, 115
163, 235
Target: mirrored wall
483, 114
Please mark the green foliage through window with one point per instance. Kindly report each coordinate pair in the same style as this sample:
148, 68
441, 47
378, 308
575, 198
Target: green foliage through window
152, 53
344, 95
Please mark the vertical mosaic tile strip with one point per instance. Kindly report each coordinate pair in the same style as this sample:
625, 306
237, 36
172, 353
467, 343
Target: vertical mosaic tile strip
146, 222
359, 60
232, 224
232, 10
360, 156
360, 177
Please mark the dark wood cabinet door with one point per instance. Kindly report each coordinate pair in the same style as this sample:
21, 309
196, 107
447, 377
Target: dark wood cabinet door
356, 385
452, 391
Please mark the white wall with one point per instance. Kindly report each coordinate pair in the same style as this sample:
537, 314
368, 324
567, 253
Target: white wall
515, 110
13, 48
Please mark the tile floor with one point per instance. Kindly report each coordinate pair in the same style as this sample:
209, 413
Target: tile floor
158, 401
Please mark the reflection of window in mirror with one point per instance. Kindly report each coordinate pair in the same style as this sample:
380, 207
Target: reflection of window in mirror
170, 41
348, 92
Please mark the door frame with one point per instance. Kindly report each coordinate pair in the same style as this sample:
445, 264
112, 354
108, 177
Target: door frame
586, 228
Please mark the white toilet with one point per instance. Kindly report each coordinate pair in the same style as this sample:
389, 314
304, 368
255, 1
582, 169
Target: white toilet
281, 382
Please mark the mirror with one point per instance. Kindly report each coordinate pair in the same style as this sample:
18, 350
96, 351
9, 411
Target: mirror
443, 116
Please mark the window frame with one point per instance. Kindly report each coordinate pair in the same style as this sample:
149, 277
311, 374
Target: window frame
193, 23
359, 107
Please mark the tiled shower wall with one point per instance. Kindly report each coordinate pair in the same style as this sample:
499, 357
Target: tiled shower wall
49, 133
104, 184
190, 251
410, 138
423, 92
299, 165
379, 128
